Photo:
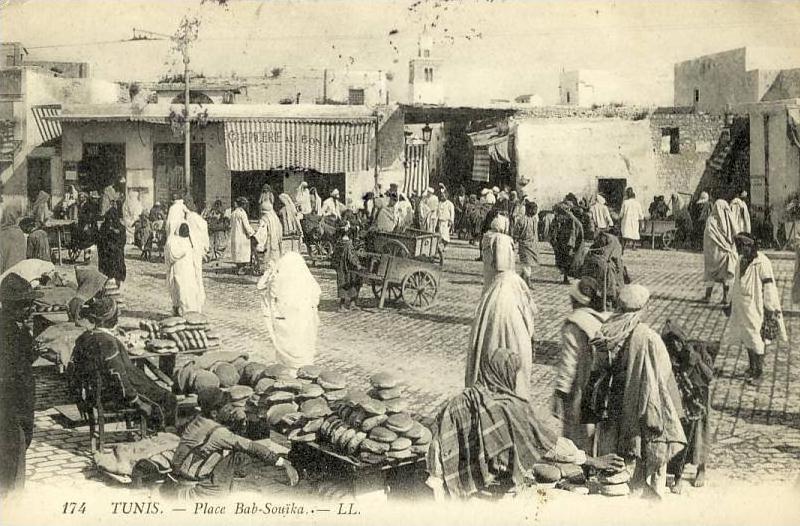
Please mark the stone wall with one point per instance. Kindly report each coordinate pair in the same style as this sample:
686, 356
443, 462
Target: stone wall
698, 139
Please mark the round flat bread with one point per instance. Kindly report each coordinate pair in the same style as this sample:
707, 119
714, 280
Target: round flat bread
277, 412
371, 446
383, 380
416, 432
381, 434
396, 405
399, 423
426, 437
400, 444
309, 372
387, 394
331, 380
195, 318
372, 422
173, 329
334, 395
312, 426
171, 322
400, 455
161, 344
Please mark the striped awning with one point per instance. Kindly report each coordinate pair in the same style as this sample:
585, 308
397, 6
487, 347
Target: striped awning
48, 129
417, 171
327, 147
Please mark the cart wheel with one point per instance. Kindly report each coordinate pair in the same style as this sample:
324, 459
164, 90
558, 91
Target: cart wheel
393, 293
395, 248
419, 289
667, 239
321, 250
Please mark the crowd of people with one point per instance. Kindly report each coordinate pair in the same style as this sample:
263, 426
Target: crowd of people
633, 402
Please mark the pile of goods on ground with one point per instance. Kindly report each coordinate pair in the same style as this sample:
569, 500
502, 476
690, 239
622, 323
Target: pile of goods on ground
374, 426
179, 333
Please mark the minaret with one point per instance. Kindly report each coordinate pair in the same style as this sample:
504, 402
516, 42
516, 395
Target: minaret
425, 74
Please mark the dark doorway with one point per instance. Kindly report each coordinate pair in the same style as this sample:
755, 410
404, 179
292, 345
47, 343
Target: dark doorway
38, 176
613, 190
248, 184
102, 164
168, 172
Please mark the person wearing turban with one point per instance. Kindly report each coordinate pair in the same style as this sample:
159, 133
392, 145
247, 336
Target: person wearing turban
719, 252
17, 385
12, 240
756, 317
575, 358
566, 237
210, 455
124, 384
632, 396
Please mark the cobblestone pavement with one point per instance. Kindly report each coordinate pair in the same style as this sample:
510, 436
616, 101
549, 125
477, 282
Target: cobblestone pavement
756, 429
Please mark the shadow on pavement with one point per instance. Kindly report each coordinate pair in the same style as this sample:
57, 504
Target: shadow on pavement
546, 352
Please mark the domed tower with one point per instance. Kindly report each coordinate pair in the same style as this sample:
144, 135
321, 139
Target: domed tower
425, 74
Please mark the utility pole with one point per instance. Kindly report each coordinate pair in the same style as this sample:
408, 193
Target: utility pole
183, 39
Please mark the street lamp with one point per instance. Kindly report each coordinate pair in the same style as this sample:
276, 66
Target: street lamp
427, 131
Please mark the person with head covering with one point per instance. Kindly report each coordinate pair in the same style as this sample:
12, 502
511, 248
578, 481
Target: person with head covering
124, 384
302, 197
405, 211
683, 221
70, 203
210, 456
241, 232
700, 212
719, 251
497, 250
218, 226
316, 201
38, 244
460, 201
289, 302
505, 313
131, 211
693, 367
332, 207
268, 236
740, 214
176, 215
267, 195
604, 263
658, 208
756, 317
369, 208
346, 262
41, 210
182, 276
198, 234
445, 218
17, 385
289, 216
566, 237
13, 246
490, 438
488, 197
386, 216
600, 215
630, 216
526, 235
429, 211
111, 247
632, 397
575, 359
85, 232
110, 198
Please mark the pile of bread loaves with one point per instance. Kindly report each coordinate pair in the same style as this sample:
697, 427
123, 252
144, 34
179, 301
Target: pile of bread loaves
372, 430
179, 333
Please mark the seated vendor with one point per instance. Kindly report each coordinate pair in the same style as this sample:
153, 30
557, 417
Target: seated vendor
123, 383
489, 440
91, 285
209, 455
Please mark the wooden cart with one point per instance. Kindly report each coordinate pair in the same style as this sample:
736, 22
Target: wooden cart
396, 278
409, 243
661, 229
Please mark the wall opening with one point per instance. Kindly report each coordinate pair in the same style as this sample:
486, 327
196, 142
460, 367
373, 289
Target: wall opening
670, 140
169, 174
102, 164
39, 177
248, 184
613, 190
355, 97
696, 95
568, 97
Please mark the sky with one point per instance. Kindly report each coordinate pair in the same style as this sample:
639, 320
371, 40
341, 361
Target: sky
491, 49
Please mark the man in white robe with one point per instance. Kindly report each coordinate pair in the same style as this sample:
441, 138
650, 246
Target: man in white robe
241, 232
302, 199
331, 206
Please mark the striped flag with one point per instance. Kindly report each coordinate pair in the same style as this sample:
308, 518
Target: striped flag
417, 170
